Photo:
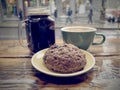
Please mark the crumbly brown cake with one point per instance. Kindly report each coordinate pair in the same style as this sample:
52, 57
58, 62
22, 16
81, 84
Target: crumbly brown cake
64, 59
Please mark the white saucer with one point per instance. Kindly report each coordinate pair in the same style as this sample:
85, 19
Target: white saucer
38, 63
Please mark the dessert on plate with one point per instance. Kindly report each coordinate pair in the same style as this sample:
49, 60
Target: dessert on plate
66, 58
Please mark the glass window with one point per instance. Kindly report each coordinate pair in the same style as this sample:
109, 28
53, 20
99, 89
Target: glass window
9, 8
33, 3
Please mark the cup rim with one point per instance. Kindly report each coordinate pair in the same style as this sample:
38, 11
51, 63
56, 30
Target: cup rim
84, 27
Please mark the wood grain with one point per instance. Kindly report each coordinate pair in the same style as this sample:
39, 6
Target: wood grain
17, 72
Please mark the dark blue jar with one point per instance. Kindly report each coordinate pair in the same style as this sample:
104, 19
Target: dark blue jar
40, 31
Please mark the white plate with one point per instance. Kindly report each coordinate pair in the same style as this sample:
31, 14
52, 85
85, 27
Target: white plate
38, 63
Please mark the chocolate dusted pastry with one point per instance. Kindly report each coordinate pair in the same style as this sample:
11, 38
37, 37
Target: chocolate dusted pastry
64, 59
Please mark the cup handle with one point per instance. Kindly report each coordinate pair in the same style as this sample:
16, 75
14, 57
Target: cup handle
102, 41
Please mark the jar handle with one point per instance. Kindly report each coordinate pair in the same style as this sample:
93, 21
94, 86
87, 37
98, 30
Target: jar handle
20, 28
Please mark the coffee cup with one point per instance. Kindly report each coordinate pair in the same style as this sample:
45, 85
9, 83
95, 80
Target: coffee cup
81, 36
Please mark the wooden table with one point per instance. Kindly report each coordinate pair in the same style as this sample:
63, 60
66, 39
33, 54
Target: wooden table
17, 72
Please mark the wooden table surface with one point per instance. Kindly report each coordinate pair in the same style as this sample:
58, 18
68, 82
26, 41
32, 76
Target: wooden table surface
17, 72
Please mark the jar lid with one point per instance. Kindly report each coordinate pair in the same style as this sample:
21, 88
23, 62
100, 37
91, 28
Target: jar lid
38, 11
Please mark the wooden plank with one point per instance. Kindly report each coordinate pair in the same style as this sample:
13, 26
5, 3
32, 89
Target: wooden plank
18, 73
12, 48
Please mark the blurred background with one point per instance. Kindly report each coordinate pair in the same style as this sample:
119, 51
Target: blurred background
105, 13
9, 9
